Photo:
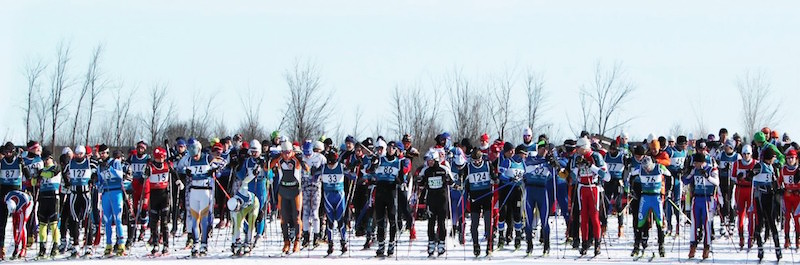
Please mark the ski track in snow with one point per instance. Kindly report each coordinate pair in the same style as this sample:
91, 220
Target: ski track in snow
724, 251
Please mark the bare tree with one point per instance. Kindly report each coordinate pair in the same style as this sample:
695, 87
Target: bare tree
500, 87
609, 91
758, 109
422, 113
33, 70
676, 130
201, 116
121, 113
466, 106
160, 114
41, 112
357, 122
534, 90
700, 122
60, 83
308, 108
91, 85
251, 121
96, 84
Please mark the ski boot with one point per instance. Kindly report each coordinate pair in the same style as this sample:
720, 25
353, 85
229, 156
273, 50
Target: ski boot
529, 247
203, 250
692, 250
546, 249
120, 250
285, 248
619, 232
787, 243
296, 247
441, 248
431, 248
706, 251
189, 243
501, 242
330, 247
305, 239
576, 243
165, 251
741, 241
344, 246
317, 238
476, 250
108, 250
195, 251
42, 250
596, 247
584, 247
73, 251
62, 248
54, 250
390, 249
381, 249
661, 251
518, 240
760, 254
236, 246
778, 254
368, 242
635, 251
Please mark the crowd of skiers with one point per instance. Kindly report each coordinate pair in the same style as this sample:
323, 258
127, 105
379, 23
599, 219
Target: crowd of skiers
321, 192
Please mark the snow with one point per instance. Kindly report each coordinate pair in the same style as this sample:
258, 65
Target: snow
725, 251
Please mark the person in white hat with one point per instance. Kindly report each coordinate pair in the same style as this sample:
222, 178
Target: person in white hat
589, 169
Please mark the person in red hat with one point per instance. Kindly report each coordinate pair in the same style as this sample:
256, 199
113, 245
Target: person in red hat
790, 182
160, 174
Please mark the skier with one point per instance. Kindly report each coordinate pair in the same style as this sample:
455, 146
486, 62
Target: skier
539, 170
435, 181
615, 189
790, 182
49, 203
109, 181
138, 162
640, 236
677, 159
477, 178
457, 206
160, 175
651, 177
510, 170
244, 207
764, 179
704, 180
290, 170
19, 207
333, 193
78, 181
589, 170
223, 152
12, 171
362, 194
258, 186
35, 164
311, 192
386, 175
744, 199
178, 192
201, 170
726, 159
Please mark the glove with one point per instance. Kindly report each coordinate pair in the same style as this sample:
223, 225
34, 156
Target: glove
188, 172
179, 184
256, 171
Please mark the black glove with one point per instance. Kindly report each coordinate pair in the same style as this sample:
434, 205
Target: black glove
255, 171
187, 172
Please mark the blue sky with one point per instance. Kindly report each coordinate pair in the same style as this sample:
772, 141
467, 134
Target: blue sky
678, 53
